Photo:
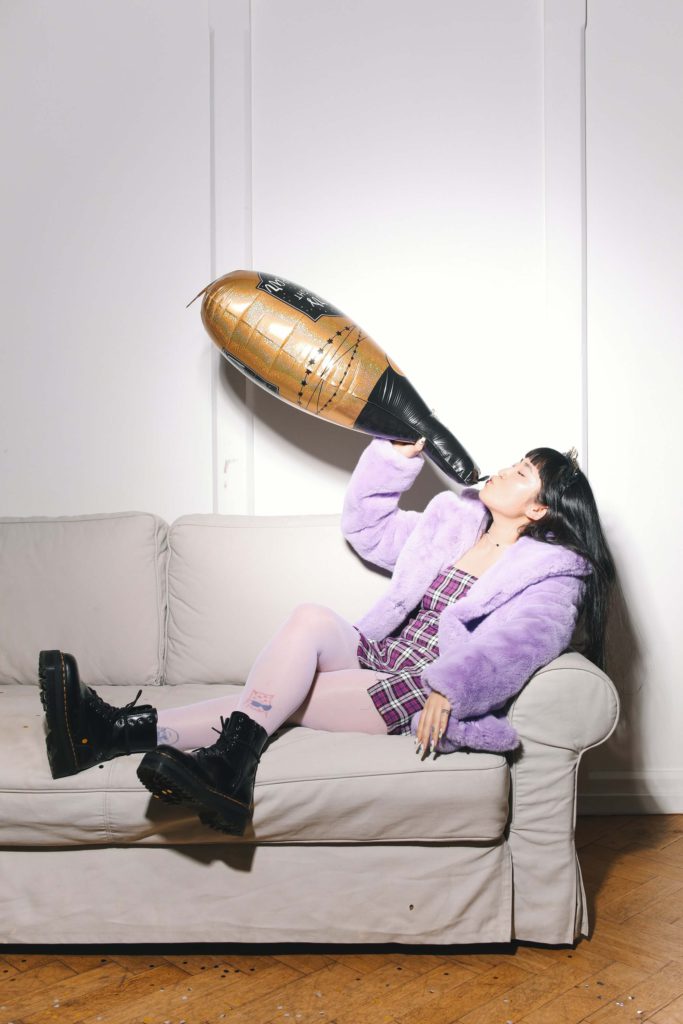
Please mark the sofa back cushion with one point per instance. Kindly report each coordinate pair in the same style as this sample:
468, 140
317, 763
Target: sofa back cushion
91, 585
233, 580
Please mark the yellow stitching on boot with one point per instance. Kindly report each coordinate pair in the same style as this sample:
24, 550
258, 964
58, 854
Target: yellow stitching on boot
66, 717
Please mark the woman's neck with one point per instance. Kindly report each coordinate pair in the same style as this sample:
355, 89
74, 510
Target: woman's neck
504, 532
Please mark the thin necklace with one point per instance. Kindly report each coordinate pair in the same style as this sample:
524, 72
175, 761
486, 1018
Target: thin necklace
509, 544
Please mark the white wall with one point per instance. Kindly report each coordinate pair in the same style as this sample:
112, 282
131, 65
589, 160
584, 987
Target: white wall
398, 170
491, 190
105, 377
634, 82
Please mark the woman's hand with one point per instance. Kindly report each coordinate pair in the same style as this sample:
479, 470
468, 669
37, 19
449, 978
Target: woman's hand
409, 450
432, 722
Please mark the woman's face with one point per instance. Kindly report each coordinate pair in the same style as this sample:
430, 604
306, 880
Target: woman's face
513, 492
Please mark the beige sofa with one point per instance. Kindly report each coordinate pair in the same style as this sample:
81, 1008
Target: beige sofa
354, 839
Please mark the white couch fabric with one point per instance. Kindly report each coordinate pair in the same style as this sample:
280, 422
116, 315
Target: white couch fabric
354, 839
233, 580
311, 786
90, 584
265, 893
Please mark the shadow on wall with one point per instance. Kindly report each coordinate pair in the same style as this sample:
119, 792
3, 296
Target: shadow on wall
338, 446
622, 753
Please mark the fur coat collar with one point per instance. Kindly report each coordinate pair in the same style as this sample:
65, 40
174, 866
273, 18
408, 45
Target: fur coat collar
450, 526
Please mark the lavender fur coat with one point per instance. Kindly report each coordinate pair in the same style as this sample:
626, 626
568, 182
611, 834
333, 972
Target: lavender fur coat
518, 616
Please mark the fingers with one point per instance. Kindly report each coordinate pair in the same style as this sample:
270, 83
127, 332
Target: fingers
431, 724
409, 450
424, 729
420, 732
426, 735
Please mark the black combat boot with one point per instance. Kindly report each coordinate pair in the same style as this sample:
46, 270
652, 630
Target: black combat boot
83, 730
216, 781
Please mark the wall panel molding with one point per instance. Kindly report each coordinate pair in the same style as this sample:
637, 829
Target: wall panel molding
564, 117
229, 26
650, 791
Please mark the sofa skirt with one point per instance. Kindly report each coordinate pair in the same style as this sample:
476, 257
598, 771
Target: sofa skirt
412, 893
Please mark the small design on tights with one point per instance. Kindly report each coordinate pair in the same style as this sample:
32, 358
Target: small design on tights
261, 701
166, 735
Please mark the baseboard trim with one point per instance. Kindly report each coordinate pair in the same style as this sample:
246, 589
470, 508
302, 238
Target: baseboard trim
631, 792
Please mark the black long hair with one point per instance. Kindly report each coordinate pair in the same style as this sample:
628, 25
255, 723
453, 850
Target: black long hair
572, 520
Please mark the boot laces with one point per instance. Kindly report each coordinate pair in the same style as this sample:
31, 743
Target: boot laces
105, 710
222, 744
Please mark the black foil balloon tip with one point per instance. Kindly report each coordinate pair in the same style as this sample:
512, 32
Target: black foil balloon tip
394, 401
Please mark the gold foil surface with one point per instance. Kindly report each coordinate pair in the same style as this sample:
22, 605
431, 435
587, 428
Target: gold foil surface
326, 367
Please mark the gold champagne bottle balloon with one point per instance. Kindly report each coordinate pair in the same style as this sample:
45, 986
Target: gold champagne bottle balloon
299, 347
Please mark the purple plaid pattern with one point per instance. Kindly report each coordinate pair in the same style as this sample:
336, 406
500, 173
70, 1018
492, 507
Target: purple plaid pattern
402, 695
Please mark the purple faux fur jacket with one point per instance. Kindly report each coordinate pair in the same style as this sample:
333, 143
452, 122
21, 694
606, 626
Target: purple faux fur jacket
516, 618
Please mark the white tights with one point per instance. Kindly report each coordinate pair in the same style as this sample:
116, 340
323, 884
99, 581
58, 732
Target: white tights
307, 674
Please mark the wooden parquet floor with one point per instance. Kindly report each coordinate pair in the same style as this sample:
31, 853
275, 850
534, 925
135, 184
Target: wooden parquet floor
629, 969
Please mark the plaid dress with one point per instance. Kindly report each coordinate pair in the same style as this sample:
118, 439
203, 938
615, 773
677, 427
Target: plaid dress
401, 695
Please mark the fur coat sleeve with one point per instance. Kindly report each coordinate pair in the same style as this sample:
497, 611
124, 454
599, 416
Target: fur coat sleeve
493, 662
371, 521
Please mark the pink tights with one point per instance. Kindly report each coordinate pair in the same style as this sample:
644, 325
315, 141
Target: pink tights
307, 674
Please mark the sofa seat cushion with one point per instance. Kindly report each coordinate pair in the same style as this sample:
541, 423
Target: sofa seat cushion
91, 584
311, 786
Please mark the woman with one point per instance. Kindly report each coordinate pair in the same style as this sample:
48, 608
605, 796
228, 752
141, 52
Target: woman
486, 588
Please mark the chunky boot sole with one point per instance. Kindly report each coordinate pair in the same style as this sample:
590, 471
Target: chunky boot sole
167, 776
55, 686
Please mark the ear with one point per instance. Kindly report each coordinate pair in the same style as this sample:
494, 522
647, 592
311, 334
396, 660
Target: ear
536, 512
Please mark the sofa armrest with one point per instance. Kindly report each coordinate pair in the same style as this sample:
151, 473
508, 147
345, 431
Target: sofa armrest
566, 708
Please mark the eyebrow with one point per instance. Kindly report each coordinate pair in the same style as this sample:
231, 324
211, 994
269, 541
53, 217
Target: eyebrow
527, 465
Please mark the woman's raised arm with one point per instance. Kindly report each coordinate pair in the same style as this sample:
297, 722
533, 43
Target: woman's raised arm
371, 520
